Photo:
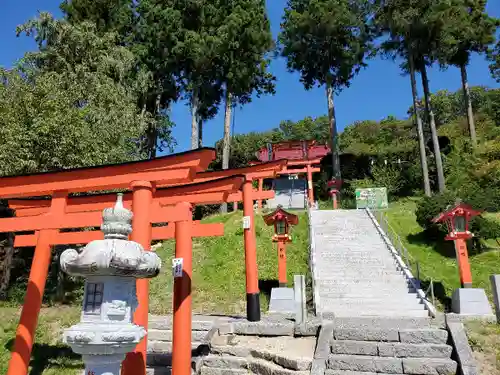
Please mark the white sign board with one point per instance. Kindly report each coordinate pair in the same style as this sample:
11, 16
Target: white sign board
246, 222
177, 267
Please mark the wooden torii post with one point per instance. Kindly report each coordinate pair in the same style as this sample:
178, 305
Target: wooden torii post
79, 213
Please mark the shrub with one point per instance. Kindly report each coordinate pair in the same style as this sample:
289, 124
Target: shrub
429, 207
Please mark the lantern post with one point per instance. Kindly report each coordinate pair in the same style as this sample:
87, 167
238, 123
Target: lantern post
281, 220
110, 266
465, 300
457, 219
334, 186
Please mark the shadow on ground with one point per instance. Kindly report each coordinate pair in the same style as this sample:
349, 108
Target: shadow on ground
45, 356
266, 285
439, 293
441, 246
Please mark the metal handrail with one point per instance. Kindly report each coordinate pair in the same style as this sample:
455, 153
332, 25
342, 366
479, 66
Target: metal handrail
403, 252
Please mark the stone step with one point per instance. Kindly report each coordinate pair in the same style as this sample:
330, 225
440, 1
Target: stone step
167, 335
373, 306
365, 289
381, 284
349, 274
363, 324
352, 278
391, 349
391, 300
199, 323
166, 347
423, 336
361, 294
346, 372
225, 361
420, 366
382, 313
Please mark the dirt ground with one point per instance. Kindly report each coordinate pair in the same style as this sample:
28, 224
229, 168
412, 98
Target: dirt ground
485, 342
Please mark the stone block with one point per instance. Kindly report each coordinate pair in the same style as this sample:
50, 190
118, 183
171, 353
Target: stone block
428, 366
388, 365
261, 367
495, 288
470, 301
298, 364
354, 347
323, 343
402, 350
318, 366
310, 327
351, 363
225, 361
237, 351
282, 301
367, 334
463, 350
342, 372
264, 328
222, 371
299, 293
422, 336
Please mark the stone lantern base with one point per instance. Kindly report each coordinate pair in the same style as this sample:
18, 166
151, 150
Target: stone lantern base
471, 301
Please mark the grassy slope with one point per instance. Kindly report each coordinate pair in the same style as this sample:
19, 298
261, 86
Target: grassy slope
437, 261
218, 287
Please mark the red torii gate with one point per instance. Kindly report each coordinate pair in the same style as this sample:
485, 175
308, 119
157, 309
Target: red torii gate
308, 167
59, 215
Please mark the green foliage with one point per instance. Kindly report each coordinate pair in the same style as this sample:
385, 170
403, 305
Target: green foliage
468, 28
387, 138
494, 56
390, 177
326, 41
309, 128
53, 121
428, 208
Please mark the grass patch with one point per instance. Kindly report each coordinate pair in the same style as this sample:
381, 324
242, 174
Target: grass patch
437, 260
218, 287
484, 340
219, 267
49, 355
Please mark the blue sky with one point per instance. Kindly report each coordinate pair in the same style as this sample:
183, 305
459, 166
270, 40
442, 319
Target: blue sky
375, 93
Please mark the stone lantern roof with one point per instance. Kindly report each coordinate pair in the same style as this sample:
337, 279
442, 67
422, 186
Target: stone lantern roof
115, 255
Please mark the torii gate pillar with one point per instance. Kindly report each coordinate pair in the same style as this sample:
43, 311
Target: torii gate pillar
252, 278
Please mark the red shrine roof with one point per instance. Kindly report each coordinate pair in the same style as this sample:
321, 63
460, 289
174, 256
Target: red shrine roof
458, 208
279, 214
292, 150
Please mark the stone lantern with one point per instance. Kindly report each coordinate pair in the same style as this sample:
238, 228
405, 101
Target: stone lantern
110, 266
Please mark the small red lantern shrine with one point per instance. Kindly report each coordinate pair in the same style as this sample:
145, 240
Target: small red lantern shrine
334, 185
457, 220
281, 221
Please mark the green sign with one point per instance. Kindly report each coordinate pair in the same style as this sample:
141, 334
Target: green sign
373, 198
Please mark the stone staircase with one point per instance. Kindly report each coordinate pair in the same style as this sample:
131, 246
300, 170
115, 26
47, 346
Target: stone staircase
355, 273
418, 349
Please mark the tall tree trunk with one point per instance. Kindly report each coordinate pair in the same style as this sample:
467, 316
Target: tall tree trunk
470, 114
333, 132
227, 138
420, 129
194, 121
6, 259
432, 123
200, 132
153, 130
